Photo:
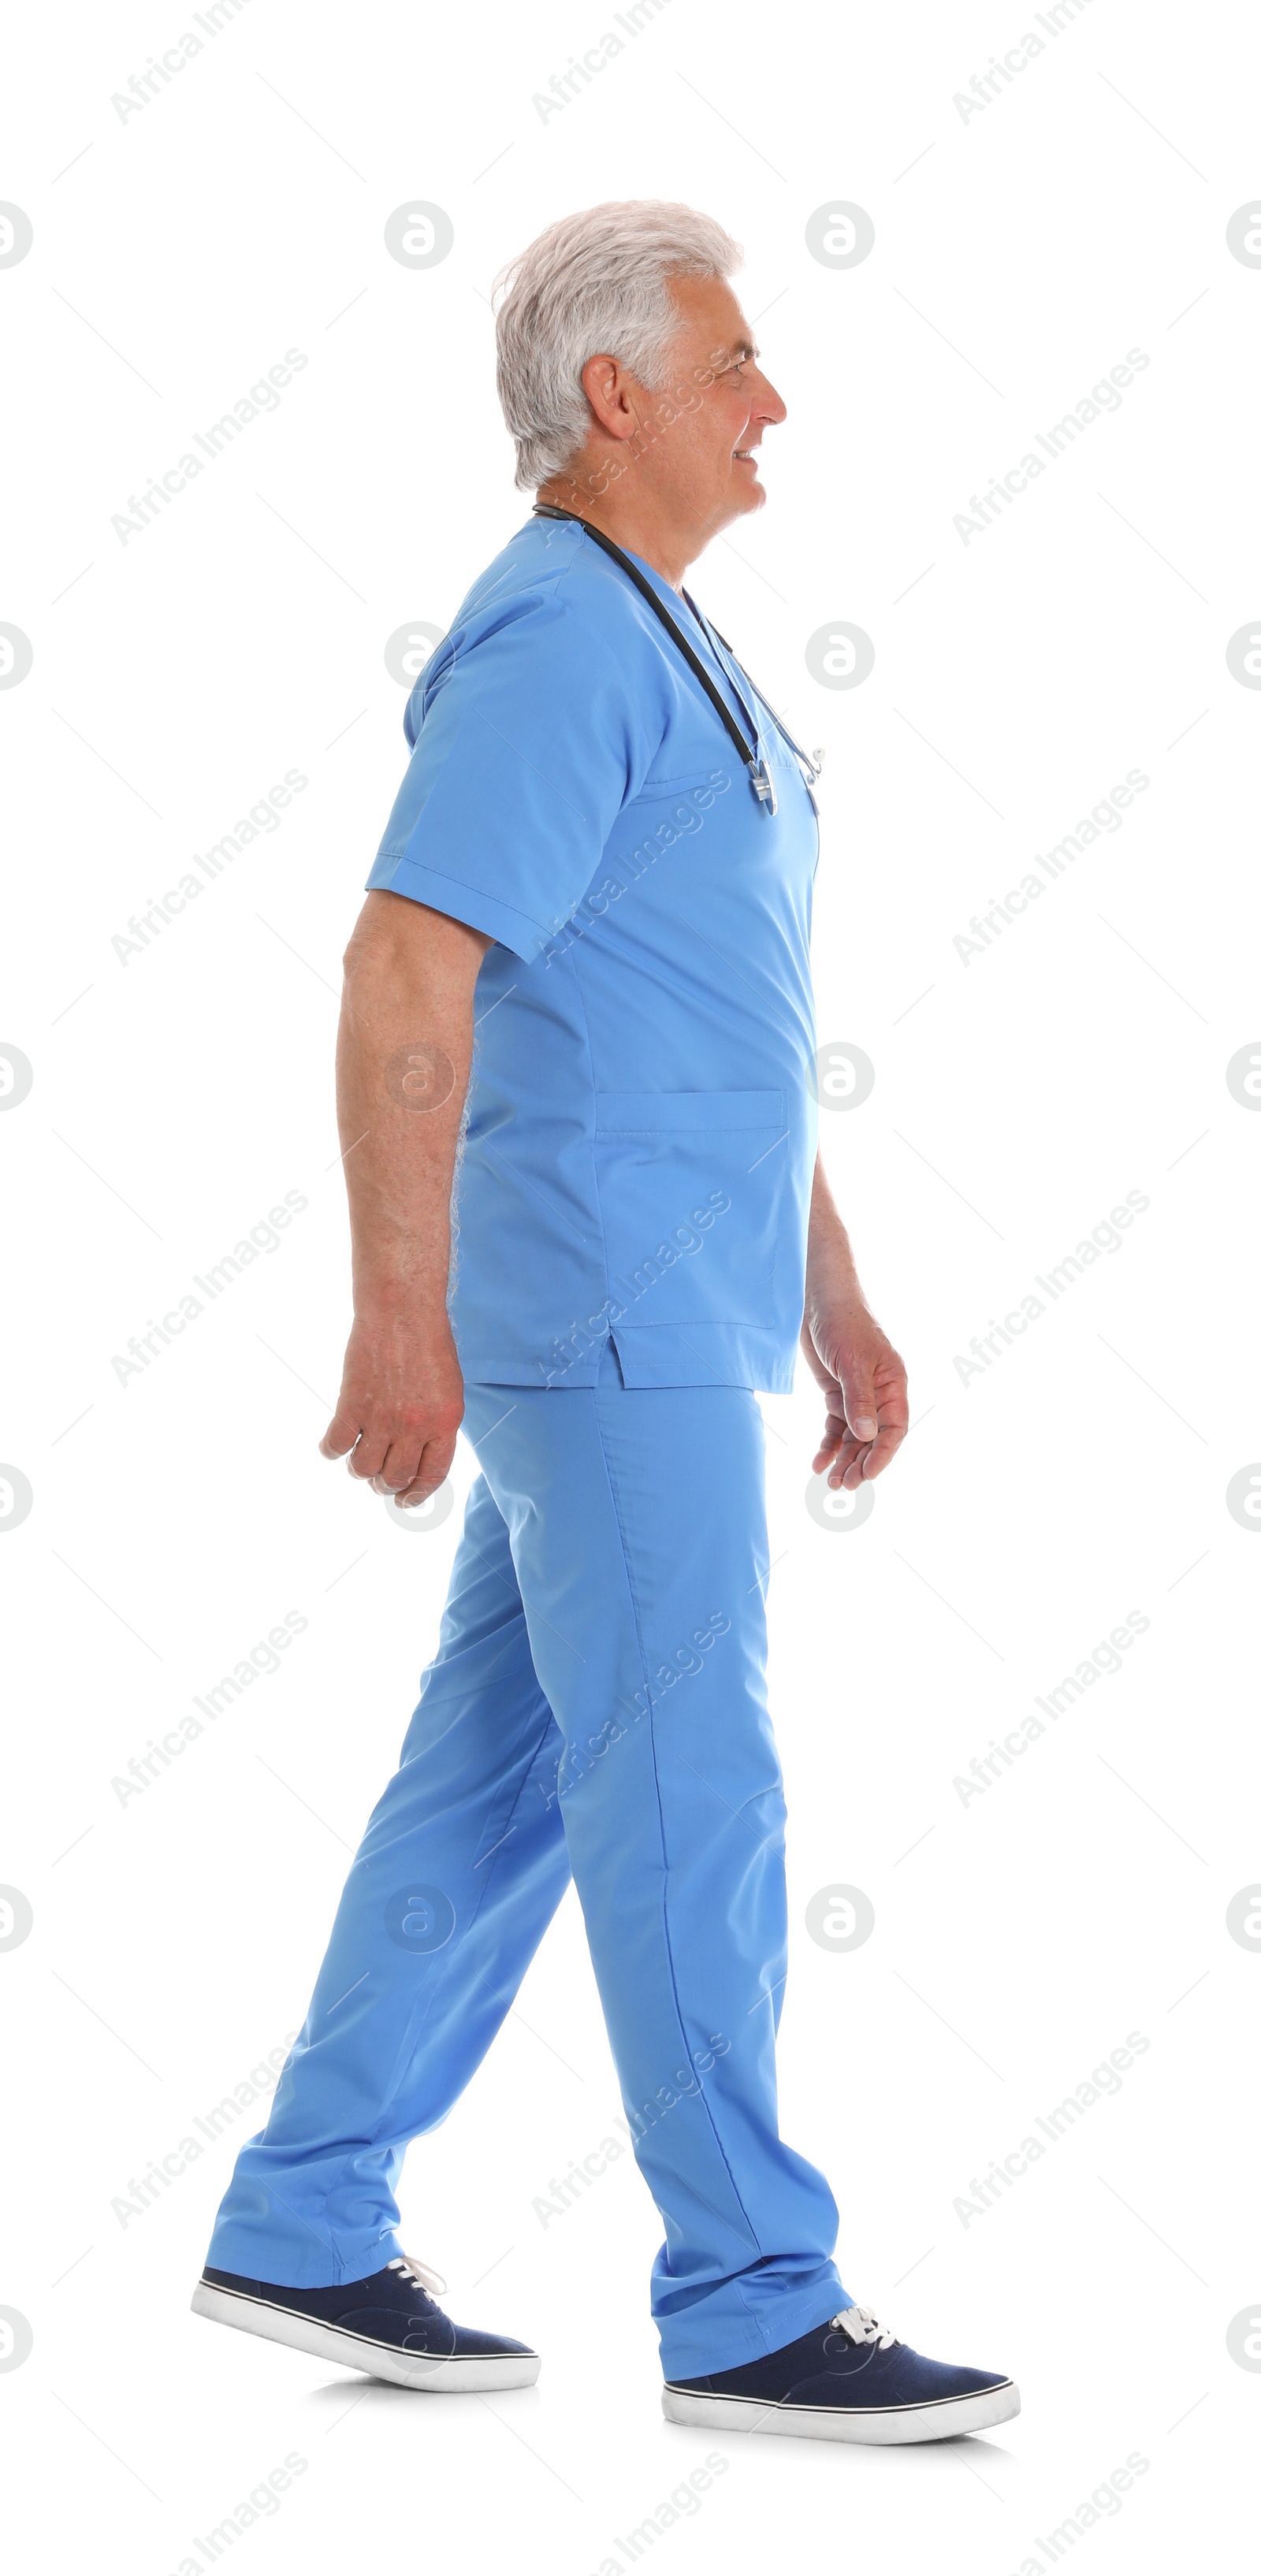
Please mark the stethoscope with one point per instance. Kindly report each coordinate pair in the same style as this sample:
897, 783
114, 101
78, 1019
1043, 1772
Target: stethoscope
755, 762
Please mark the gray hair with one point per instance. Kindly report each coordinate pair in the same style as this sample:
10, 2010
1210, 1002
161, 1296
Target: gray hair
593, 282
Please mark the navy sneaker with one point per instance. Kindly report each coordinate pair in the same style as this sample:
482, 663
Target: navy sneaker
388, 2325
849, 2381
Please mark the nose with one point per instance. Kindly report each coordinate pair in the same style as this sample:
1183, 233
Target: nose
768, 405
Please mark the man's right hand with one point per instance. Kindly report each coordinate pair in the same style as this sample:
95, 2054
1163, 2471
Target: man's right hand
400, 1407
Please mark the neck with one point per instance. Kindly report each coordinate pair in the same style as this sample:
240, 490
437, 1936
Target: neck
632, 523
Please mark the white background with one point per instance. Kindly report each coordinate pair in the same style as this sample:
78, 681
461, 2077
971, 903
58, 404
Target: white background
1019, 254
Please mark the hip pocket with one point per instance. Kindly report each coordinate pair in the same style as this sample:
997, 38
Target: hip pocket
691, 1191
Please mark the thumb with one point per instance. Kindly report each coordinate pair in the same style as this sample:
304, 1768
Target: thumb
858, 1389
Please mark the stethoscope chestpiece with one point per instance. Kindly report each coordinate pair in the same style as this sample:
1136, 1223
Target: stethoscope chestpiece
763, 785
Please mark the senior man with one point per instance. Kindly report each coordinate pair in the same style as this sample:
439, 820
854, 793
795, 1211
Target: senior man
578, 998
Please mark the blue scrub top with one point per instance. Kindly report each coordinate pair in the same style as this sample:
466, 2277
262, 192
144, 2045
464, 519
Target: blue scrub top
641, 1121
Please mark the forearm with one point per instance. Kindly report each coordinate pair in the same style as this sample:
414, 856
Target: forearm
850, 1357
831, 1274
403, 1059
403, 1056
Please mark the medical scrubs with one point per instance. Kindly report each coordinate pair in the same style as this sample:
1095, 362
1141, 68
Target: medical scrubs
628, 1268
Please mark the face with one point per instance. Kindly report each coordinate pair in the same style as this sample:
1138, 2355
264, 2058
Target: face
709, 452
689, 450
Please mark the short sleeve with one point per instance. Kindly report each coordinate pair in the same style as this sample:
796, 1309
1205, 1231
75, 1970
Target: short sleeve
533, 735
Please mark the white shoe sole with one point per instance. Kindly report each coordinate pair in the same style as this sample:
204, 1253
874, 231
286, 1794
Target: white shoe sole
934, 2423
475, 2373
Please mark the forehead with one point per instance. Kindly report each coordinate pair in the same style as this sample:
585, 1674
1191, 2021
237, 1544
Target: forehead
710, 315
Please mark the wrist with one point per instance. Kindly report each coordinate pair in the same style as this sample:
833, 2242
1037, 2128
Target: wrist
390, 1300
832, 1288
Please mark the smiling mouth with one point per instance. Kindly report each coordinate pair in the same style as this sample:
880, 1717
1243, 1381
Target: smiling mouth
745, 455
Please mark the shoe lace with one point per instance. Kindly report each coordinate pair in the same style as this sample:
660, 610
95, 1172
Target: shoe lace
861, 2327
422, 2274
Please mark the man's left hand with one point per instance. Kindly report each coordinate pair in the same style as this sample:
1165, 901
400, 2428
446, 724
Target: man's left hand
864, 1385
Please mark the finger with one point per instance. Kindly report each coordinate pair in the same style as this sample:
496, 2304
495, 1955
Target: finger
368, 1456
341, 1435
884, 1448
847, 1450
432, 1471
850, 1462
894, 1421
836, 1446
834, 1432
400, 1467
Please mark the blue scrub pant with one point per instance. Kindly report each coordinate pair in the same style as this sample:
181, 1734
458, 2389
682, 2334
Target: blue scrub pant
597, 1706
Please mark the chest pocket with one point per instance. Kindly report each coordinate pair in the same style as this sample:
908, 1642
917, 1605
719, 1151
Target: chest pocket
691, 1189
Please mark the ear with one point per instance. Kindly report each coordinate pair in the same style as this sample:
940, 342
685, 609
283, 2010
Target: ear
606, 385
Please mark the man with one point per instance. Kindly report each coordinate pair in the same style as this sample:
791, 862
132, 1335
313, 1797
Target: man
581, 973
